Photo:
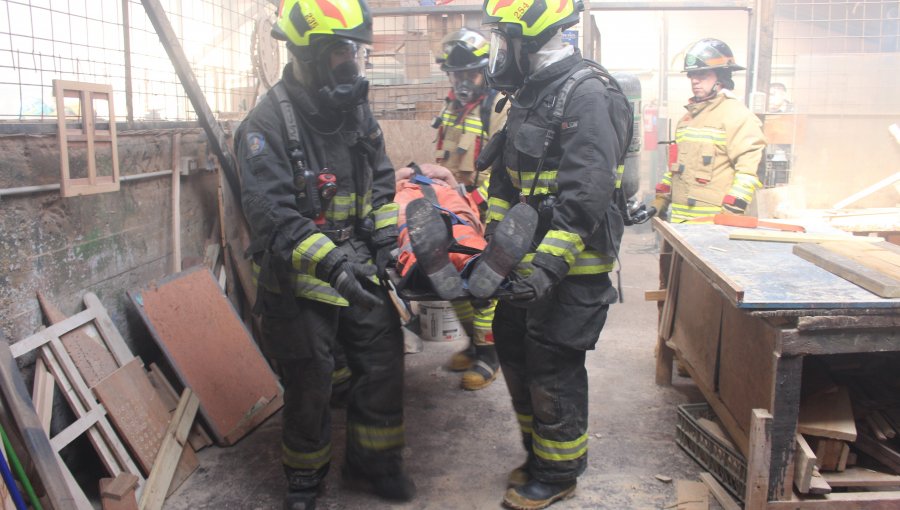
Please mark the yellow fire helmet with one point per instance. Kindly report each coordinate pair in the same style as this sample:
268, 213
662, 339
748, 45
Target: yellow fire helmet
302, 21
532, 17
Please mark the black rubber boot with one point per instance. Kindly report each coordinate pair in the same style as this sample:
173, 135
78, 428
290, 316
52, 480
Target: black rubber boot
430, 238
303, 488
510, 243
300, 500
397, 487
536, 494
519, 476
484, 370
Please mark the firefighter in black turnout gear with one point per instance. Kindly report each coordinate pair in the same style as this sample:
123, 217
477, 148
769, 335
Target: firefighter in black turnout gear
567, 134
317, 190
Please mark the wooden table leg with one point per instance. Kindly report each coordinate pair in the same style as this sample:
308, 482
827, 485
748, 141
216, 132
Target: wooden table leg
756, 495
669, 273
785, 411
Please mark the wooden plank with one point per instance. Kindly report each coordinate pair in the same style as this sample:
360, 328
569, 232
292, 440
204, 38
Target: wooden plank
140, 417
116, 495
881, 257
655, 295
47, 464
881, 422
804, 462
723, 283
828, 453
697, 327
719, 493
758, 460
108, 330
120, 486
746, 353
878, 451
664, 354
828, 415
861, 477
105, 442
211, 351
198, 438
773, 236
42, 393
868, 190
172, 446
845, 456
55, 331
76, 428
691, 495
785, 406
842, 501
870, 279
93, 360
817, 483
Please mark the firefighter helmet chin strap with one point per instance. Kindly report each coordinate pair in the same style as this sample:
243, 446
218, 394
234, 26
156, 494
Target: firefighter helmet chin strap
712, 93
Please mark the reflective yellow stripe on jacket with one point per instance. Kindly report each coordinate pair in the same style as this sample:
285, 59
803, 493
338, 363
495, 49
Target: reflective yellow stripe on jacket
497, 209
387, 215
546, 182
587, 262
563, 244
307, 287
310, 252
743, 186
682, 213
471, 124
700, 135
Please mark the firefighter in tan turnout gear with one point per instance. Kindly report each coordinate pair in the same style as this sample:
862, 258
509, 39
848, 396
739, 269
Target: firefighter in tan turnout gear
318, 193
465, 124
720, 142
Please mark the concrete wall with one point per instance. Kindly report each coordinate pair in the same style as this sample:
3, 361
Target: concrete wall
105, 243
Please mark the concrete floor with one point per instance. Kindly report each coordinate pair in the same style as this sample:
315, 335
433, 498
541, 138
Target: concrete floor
461, 445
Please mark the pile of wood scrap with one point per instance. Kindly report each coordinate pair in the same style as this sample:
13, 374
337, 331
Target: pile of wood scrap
848, 426
142, 430
114, 404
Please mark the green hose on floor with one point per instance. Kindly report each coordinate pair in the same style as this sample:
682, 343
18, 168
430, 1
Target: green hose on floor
20, 473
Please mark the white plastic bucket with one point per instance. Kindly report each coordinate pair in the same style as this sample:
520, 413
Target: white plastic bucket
439, 322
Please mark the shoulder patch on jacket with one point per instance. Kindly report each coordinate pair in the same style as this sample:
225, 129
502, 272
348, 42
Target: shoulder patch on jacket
569, 124
255, 143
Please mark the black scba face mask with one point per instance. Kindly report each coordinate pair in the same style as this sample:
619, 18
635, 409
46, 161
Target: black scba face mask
344, 86
505, 71
468, 85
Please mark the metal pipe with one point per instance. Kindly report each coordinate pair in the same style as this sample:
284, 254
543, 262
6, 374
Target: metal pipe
24, 190
176, 204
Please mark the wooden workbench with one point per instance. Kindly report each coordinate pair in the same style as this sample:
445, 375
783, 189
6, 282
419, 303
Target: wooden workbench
741, 316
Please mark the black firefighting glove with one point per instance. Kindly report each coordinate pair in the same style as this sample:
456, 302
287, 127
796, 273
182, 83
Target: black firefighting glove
549, 270
345, 278
384, 241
